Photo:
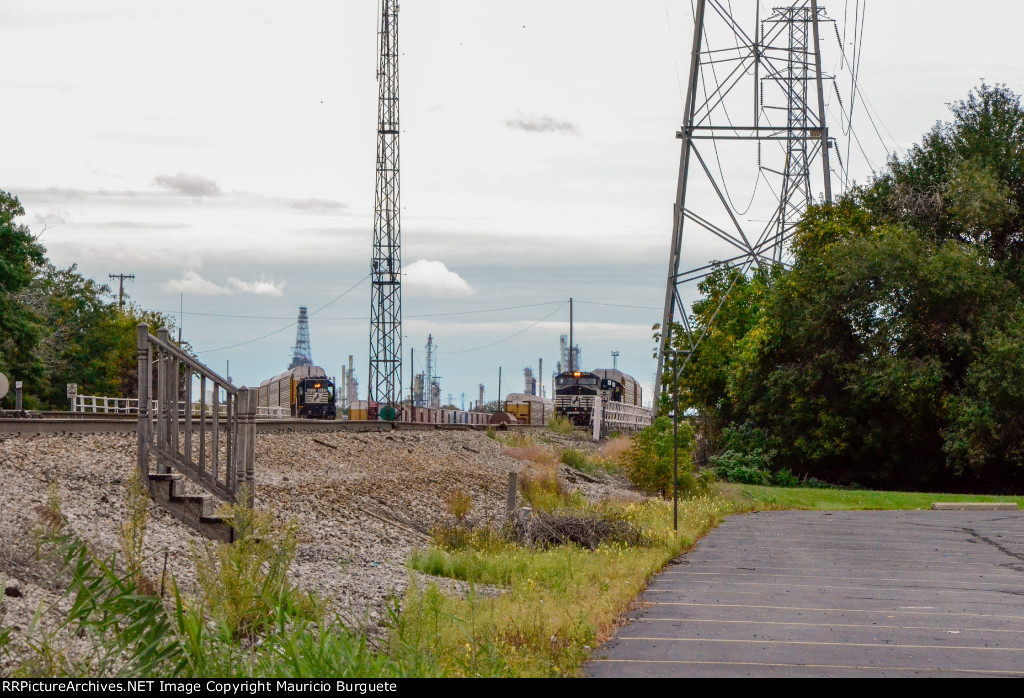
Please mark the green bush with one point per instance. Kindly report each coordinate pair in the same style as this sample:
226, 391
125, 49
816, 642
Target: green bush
649, 459
575, 458
560, 425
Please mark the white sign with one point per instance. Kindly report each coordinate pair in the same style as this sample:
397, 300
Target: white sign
72, 389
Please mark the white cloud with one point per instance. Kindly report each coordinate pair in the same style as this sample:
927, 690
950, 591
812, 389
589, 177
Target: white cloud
260, 288
191, 184
543, 124
318, 205
434, 279
193, 284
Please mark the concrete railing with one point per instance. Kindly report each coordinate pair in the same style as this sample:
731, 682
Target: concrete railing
273, 412
216, 448
611, 416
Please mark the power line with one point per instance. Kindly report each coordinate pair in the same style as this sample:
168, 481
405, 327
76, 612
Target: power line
291, 324
511, 336
363, 317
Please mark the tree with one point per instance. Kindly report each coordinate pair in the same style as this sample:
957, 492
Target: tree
965, 180
890, 353
860, 350
20, 328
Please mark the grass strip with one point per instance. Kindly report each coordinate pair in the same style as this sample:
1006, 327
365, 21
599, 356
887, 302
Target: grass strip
539, 612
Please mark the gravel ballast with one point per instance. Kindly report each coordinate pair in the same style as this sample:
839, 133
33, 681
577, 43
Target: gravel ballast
363, 502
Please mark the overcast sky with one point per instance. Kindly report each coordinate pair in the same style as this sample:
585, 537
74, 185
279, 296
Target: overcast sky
223, 152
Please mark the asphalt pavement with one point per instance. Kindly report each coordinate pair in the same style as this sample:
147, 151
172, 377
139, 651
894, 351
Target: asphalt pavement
821, 594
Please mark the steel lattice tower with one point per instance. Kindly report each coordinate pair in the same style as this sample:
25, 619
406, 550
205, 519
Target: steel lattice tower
778, 65
385, 381
302, 352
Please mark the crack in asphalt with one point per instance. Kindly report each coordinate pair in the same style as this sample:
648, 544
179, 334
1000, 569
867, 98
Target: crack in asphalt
998, 546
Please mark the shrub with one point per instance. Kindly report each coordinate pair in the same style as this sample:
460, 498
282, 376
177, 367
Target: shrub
575, 458
459, 504
541, 487
242, 582
747, 458
560, 424
133, 531
746, 469
649, 459
616, 449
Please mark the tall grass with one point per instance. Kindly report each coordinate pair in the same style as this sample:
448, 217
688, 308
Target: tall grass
560, 425
552, 605
246, 621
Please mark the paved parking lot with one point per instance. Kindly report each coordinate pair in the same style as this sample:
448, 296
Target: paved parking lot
915, 593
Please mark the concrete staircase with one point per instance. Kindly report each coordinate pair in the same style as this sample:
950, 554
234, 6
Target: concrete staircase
197, 511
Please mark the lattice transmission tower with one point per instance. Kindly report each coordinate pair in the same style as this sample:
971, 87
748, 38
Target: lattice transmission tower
385, 380
754, 107
302, 352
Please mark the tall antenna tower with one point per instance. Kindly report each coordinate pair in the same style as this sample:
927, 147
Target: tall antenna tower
302, 352
385, 381
755, 96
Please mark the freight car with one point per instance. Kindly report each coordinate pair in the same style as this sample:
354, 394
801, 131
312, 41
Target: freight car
305, 392
529, 409
576, 392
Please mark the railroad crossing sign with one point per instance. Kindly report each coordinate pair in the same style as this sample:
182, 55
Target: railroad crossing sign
72, 389
5, 385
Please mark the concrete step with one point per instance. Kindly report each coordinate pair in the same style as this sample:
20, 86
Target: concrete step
196, 511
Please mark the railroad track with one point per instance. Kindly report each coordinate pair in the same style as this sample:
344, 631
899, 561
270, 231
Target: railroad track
58, 423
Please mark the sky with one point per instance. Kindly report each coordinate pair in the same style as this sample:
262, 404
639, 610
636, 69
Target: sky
223, 153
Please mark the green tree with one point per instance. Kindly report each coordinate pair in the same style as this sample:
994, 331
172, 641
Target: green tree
965, 180
20, 328
861, 348
889, 354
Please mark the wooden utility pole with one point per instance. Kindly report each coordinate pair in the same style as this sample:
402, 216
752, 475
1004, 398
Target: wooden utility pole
120, 293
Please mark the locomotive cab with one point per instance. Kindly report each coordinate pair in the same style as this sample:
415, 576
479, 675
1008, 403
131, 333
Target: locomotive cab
314, 398
575, 393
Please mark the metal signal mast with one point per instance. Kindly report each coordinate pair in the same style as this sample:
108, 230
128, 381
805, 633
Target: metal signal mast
385, 381
302, 352
754, 93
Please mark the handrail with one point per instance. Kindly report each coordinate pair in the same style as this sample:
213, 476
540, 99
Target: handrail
177, 353
227, 427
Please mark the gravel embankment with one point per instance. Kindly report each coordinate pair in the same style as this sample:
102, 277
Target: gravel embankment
362, 501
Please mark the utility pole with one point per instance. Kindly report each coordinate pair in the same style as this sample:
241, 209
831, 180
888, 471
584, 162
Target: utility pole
766, 77
120, 293
385, 383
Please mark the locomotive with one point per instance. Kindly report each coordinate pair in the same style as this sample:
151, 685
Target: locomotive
576, 391
305, 392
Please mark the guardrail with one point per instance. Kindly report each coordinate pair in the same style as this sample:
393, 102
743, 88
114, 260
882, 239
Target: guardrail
98, 404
